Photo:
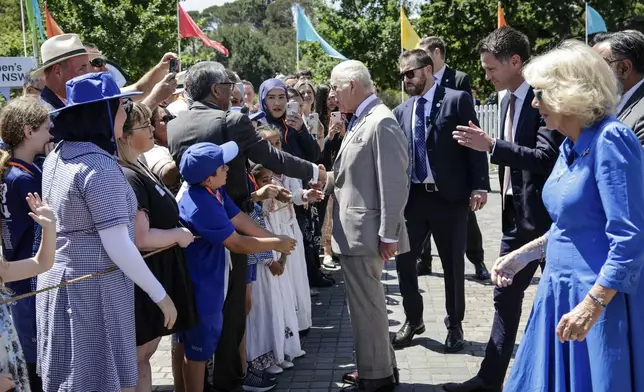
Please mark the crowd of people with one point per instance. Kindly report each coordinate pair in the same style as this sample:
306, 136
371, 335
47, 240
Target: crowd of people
184, 204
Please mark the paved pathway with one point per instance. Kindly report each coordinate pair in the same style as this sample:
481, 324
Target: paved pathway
423, 366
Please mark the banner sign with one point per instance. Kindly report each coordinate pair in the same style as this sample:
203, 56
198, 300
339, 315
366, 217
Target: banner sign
13, 71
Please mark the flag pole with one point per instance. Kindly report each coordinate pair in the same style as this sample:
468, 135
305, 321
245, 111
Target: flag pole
24, 34
178, 36
586, 22
402, 82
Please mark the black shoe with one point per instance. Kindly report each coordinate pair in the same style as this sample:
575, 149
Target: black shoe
481, 271
352, 377
423, 268
472, 385
454, 342
406, 333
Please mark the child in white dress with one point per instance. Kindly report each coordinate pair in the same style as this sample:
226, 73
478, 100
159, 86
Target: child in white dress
281, 220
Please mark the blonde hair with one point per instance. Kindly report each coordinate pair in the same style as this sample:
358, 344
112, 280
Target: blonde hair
575, 81
14, 117
138, 113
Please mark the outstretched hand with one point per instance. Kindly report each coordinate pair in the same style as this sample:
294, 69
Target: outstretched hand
41, 211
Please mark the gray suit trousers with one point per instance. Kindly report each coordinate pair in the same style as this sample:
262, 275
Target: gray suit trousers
368, 311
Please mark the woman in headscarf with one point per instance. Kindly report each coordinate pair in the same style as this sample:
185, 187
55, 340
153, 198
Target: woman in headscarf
85, 330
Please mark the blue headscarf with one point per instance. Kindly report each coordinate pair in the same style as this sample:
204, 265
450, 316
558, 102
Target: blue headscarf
267, 86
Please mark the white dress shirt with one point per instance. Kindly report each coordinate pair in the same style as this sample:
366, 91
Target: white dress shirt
520, 94
627, 96
429, 96
438, 75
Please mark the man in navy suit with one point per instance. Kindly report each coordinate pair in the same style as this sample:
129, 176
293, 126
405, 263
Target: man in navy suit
526, 154
457, 80
447, 181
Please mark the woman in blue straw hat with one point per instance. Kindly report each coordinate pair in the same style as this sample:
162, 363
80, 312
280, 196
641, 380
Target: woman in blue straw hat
86, 335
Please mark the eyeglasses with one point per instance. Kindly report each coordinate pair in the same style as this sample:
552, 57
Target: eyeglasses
230, 85
609, 62
538, 95
148, 125
410, 74
98, 62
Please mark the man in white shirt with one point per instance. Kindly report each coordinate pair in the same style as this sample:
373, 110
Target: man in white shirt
624, 52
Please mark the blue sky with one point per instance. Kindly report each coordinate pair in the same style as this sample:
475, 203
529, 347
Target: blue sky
200, 5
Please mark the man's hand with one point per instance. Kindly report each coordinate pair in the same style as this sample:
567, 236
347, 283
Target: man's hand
161, 91
478, 200
286, 244
165, 60
387, 250
473, 137
313, 195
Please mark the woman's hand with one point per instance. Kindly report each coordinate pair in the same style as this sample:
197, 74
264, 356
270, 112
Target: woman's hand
276, 268
295, 121
286, 244
6, 383
313, 195
169, 311
184, 237
576, 324
505, 268
269, 191
49, 147
41, 212
336, 128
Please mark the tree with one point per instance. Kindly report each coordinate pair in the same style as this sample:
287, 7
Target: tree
11, 44
463, 23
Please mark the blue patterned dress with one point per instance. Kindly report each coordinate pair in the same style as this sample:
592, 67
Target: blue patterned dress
597, 206
12, 360
86, 335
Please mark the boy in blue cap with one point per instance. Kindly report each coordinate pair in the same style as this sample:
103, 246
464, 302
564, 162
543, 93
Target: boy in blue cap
210, 214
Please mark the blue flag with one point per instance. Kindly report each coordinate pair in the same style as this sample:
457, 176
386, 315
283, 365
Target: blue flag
594, 22
306, 32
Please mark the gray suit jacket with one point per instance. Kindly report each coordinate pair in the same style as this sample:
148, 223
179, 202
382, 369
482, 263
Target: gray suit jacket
633, 113
370, 186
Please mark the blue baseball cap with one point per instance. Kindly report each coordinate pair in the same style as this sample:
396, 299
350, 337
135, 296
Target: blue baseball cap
93, 87
201, 160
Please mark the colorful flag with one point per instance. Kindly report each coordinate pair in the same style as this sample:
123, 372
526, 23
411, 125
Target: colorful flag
51, 25
408, 37
31, 19
38, 17
500, 17
188, 28
594, 22
306, 32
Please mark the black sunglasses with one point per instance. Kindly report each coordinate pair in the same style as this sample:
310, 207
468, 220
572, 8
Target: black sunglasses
538, 95
410, 74
98, 62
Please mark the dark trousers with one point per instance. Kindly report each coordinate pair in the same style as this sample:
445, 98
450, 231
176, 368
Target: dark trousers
311, 252
507, 304
34, 380
425, 212
228, 371
473, 249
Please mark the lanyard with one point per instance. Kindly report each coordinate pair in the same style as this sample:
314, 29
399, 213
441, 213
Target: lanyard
285, 133
252, 180
217, 195
20, 166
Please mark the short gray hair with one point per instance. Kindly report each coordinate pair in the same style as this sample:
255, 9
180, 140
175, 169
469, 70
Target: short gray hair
202, 76
352, 70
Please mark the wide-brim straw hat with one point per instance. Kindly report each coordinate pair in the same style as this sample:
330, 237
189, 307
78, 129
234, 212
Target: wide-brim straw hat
59, 48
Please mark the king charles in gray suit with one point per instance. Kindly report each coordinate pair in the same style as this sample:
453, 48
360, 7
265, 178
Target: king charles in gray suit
370, 187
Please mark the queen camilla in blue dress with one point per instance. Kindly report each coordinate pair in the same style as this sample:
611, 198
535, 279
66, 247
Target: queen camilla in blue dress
585, 330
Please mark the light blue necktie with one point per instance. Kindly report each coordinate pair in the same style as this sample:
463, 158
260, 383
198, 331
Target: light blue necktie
420, 149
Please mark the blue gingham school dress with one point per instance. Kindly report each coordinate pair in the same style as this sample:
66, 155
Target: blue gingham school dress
86, 335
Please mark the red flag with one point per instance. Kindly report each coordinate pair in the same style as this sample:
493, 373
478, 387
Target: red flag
51, 25
188, 28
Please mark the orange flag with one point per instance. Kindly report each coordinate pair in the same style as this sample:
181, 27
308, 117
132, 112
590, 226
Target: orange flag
51, 25
500, 17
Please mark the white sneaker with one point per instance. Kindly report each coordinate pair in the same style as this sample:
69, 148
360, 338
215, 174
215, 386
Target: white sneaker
274, 369
286, 364
300, 354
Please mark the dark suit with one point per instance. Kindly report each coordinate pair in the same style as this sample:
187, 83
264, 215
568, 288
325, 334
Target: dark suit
458, 80
531, 158
457, 171
204, 122
632, 114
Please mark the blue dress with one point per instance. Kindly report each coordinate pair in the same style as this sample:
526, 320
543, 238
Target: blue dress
597, 207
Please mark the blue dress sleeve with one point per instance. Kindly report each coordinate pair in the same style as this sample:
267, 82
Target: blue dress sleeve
620, 180
261, 257
104, 193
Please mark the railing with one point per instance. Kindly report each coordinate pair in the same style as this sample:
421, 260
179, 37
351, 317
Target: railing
488, 116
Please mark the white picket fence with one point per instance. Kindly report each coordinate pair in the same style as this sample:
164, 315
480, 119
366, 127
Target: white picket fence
488, 116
